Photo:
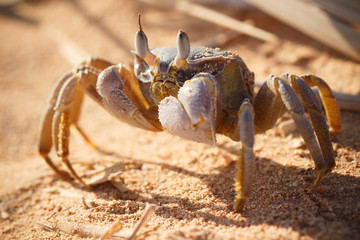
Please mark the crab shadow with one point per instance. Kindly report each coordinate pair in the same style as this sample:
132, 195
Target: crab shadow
279, 197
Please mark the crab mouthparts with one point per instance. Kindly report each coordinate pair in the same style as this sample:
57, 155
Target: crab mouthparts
164, 88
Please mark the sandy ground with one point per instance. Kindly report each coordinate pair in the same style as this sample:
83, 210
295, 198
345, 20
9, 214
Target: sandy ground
190, 183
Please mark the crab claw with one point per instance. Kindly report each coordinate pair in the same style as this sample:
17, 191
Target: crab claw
194, 113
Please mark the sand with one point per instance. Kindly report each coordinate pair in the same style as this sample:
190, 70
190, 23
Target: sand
189, 183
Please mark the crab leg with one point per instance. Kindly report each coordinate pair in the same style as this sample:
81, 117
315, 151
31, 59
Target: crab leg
268, 107
64, 109
62, 121
45, 136
331, 108
317, 118
283, 91
245, 164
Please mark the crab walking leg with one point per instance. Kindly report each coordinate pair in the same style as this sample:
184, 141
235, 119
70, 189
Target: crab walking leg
45, 136
194, 113
90, 69
245, 164
62, 121
88, 72
331, 108
283, 91
317, 118
296, 110
268, 107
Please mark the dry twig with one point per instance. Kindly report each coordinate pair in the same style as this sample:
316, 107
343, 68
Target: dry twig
114, 229
207, 14
85, 230
149, 211
313, 21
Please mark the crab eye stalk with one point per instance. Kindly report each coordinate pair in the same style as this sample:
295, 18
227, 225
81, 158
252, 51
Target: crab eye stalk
183, 47
141, 44
142, 48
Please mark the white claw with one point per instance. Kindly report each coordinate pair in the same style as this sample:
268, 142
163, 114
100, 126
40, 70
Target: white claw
173, 116
192, 114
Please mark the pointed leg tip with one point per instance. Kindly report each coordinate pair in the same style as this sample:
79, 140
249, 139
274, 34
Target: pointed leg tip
61, 173
84, 184
74, 174
105, 152
240, 203
65, 175
320, 174
87, 186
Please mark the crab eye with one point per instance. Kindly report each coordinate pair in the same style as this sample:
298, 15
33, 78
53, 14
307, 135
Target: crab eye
142, 48
183, 45
141, 44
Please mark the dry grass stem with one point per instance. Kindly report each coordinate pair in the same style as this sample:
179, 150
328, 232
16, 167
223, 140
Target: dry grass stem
113, 229
209, 15
86, 230
149, 211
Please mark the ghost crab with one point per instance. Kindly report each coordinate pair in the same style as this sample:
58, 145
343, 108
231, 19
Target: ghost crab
195, 93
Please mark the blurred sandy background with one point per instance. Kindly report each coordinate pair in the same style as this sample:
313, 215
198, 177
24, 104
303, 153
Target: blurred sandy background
190, 183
